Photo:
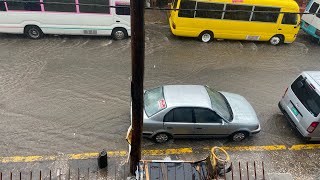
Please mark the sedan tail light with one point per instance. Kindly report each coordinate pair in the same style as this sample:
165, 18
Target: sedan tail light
312, 127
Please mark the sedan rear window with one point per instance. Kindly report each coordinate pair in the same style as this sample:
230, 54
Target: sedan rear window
307, 95
154, 101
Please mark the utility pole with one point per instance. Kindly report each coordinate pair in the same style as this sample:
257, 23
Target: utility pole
137, 57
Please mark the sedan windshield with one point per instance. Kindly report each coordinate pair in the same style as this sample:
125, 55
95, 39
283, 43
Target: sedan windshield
154, 101
219, 104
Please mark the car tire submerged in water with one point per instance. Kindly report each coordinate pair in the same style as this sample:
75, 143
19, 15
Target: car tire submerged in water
161, 137
276, 40
239, 136
33, 32
206, 36
119, 33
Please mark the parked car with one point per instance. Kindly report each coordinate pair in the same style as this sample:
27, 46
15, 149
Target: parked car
196, 111
301, 104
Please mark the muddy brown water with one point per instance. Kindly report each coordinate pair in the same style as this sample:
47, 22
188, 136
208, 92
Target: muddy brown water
70, 94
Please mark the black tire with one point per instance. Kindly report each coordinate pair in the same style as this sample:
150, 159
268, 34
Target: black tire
119, 33
161, 137
276, 40
206, 36
33, 32
239, 136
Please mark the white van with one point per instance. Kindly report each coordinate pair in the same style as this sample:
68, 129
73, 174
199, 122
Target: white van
301, 104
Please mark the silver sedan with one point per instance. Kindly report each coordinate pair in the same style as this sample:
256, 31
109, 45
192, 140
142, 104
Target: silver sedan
195, 111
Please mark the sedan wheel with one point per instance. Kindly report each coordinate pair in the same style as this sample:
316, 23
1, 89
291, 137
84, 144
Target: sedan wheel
239, 136
161, 138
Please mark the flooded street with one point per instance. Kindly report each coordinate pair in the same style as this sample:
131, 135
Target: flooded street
71, 94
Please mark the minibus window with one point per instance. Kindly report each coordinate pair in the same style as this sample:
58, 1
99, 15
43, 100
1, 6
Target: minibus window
238, 12
307, 95
185, 4
318, 15
123, 10
314, 8
2, 6
289, 18
203, 10
267, 16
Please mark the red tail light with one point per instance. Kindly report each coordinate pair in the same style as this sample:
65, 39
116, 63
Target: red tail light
285, 92
312, 127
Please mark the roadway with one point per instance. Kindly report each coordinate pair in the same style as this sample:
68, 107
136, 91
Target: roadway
69, 95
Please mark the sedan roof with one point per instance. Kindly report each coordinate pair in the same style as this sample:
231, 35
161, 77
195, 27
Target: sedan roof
186, 95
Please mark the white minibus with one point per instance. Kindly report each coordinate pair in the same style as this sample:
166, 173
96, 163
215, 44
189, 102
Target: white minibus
34, 18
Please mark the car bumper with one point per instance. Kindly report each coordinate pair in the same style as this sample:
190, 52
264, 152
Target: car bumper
256, 131
291, 121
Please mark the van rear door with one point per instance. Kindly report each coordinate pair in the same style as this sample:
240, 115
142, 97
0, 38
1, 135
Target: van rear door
307, 104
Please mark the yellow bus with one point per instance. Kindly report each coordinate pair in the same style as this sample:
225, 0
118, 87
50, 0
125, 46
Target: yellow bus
276, 21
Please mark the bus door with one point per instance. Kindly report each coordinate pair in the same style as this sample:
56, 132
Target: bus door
289, 26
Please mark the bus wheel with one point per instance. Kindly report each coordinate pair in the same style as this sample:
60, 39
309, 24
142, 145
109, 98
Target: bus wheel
119, 34
276, 40
206, 36
33, 32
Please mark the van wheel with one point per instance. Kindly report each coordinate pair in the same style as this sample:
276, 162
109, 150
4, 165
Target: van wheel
161, 137
206, 36
239, 136
119, 33
33, 32
276, 40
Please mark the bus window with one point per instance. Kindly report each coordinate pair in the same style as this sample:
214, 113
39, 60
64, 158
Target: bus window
94, 6
60, 5
265, 16
318, 15
243, 16
24, 5
289, 18
186, 4
123, 10
314, 8
2, 6
201, 7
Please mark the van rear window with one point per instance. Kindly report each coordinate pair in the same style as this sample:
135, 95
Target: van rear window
307, 95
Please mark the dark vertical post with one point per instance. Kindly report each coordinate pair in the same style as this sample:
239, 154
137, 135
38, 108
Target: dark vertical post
137, 57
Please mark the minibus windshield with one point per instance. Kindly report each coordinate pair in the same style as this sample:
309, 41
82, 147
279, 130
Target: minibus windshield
307, 95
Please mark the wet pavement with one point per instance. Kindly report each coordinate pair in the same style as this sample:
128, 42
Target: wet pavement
71, 94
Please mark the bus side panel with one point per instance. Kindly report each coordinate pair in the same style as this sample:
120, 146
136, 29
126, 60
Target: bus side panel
10, 24
76, 24
62, 23
189, 27
242, 30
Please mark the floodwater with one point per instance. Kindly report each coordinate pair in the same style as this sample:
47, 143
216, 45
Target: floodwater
71, 94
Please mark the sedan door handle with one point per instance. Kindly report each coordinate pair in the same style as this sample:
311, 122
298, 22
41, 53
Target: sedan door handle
198, 128
279, 29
